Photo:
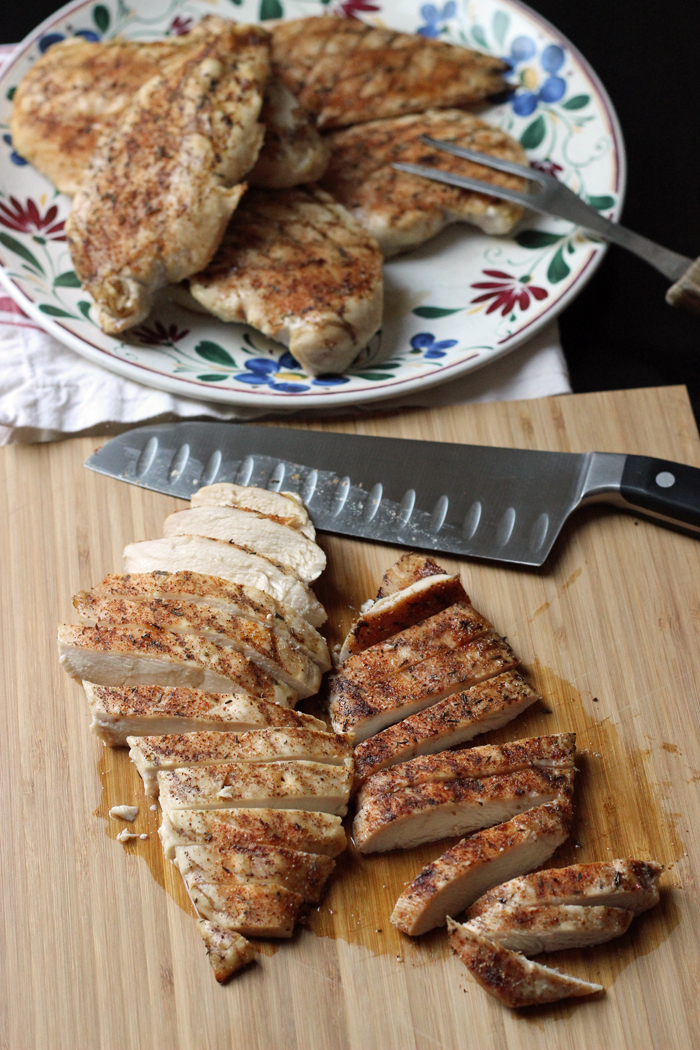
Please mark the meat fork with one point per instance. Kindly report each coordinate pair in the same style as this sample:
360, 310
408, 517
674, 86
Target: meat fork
551, 197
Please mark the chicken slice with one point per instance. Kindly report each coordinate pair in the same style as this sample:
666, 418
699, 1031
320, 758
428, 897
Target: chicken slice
302, 873
284, 507
246, 908
151, 754
535, 928
459, 876
409, 569
272, 785
439, 810
297, 266
142, 710
227, 951
286, 829
352, 709
271, 652
454, 720
135, 655
232, 599
280, 543
536, 752
402, 211
347, 72
293, 152
161, 187
198, 554
511, 978
628, 884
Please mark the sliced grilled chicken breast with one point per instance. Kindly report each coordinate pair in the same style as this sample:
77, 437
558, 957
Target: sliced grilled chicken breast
629, 884
401, 609
409, 569
272, 785
247, 908
141, 710
227, 951
439, 810
303, 873
353, 709
298, 267
452, 721
293, 152
511, 978
282, 544
200, 555
151, 754
272, 653
402, 211
347, 72
284, 507
459, 876
162, 185
232, 599
286, 829
535, 928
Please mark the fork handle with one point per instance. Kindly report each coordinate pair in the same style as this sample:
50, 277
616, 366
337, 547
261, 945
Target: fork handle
685, 293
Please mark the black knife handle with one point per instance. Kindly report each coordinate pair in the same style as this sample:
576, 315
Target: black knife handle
662, 487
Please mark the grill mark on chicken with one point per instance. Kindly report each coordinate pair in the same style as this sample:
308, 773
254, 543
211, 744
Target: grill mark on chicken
291, 829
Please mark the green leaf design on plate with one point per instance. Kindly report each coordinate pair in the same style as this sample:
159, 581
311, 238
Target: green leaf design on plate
84, 307
431, 312
101, 17
601, 203
533, 133
375, 376
214, 353
237, 2
577, 102
558, 268
480, 37
500, 24
10, 93
537, 238
20, 250
211, 379
69, 279
54, 311
271, 9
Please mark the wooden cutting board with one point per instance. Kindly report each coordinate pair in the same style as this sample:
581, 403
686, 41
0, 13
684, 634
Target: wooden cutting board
99, 945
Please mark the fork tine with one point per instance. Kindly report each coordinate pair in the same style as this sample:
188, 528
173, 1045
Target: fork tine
465, 183
486, 159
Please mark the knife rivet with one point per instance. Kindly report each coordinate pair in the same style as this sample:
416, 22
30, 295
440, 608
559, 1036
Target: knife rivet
665, 479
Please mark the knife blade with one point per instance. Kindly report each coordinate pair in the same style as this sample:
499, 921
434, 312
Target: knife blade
477, 501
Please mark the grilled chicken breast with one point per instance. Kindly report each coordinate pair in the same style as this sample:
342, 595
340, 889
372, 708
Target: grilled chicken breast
118, 713
272, 785
293, 152
297, 266
347, 72
454, 720
459, 876
409, 569
511, 978
197, 554
161, 187
247, 908
284, 507
303, 873
283, 829
134, 655
227, 951
535, 928
282, 544
402, 211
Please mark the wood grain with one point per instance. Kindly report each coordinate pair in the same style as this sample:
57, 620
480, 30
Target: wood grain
99, 946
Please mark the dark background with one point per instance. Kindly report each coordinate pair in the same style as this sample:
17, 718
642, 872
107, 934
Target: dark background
619, 333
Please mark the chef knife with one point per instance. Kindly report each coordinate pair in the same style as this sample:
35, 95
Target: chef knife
475, 500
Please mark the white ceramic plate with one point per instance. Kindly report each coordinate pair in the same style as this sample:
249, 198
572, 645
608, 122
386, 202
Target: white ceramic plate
453, 305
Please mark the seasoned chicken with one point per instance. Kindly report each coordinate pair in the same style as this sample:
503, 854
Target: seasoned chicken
272, 653
347, 72
247, 908
286, 546
232, 599
354, 710
454, 720
197, 554
459, 876
402, 211
151, 754
629, 884
162, 185
409, 569
302, 873
285, 829
293, 152
284, 507
511, 978
535, 928
141, 710
272, 785
437, 810
134, 655
227, 951
296, 265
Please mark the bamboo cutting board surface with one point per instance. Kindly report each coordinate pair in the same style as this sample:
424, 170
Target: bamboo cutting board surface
100, 949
